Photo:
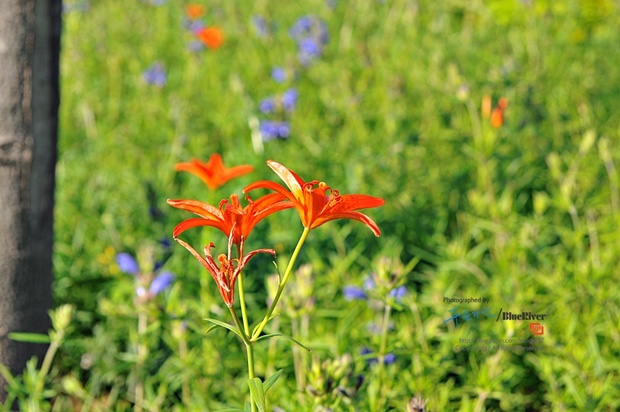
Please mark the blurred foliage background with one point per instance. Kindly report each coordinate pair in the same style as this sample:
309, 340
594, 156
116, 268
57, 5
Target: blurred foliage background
525, 214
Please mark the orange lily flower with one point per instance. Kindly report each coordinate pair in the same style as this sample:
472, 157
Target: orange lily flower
212, 37
497, 115
194, 11
230, 218
316, 202
226, 274
213, 172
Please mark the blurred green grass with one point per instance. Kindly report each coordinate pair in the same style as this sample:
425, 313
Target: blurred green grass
531, 223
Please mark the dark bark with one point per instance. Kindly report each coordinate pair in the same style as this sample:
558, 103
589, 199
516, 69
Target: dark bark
29, 52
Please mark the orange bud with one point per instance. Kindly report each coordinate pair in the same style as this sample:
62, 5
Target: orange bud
194, 11
497, 117
486, 106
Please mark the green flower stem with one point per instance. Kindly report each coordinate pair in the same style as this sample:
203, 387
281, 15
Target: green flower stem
287, 274
244, 313
47, 361
384, 329
382, 349
249, 347
142, 355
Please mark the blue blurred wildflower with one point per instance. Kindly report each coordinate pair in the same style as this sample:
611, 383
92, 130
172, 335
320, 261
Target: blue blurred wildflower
155, 75
270, 130
311, 34
260, 26
165, 244
302, 27
127, 264
369, 283
267, 105
196, 46
161, 282
388, 359
309, 49
195, 26
289, 99
399, 293
278, 74
353, 293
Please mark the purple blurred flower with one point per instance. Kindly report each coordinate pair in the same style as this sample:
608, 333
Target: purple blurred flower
399, 293
165, 244
302, 27
353, 293
289, 99
267, 105
309, 49
260, 26
155, 75
310, 33
388, 359
195, 26
369, 283
127, 264
196, 46
278, 74
161, 282
270, 130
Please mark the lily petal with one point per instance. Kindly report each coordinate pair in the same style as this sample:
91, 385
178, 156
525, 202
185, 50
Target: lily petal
289, 177
360, 217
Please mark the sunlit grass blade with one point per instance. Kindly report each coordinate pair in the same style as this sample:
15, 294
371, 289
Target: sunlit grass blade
281, 335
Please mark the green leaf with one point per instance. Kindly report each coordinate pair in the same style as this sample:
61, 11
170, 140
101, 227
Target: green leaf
281, 335
271, 380
224, 325
278, 272
258, 393
29, 337
248, 407
231, 410
8, 377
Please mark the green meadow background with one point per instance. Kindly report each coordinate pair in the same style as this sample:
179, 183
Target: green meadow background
526, 215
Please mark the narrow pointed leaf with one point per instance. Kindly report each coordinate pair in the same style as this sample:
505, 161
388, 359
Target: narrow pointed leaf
271, 380
224, 325
281, 335
258, 393
29, 337
273, 316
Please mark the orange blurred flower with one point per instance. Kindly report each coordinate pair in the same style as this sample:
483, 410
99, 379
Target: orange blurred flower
316, 202
497, 115
212, 37
213, 173
194, 11
485, 108
230, 218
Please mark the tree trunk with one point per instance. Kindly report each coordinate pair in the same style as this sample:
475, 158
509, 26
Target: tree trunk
29, 99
